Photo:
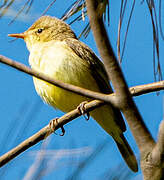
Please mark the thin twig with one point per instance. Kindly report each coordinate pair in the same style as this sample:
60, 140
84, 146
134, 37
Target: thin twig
147, 88
69, 87
136, 91
122, 12
127, 29
20, 11
49, 6
45, 132
160, 19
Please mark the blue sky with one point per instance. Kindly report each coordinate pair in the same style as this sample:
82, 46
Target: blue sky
23, 113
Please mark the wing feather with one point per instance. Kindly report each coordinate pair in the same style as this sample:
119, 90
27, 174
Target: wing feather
97, 70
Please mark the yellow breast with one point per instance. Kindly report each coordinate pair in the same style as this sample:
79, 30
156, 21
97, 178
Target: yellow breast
58, 61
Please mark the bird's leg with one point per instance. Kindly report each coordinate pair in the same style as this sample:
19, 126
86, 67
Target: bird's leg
82, 109
53, 123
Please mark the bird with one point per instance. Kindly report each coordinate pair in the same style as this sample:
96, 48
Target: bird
58, 53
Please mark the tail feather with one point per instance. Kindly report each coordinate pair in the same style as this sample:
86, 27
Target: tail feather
127, 153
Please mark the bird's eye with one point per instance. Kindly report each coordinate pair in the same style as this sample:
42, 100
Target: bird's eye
40, 30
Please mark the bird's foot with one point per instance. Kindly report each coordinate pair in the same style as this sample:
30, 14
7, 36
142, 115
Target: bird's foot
53, 124
82, 109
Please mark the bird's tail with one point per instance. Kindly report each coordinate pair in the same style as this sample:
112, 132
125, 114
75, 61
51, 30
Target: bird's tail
127, 152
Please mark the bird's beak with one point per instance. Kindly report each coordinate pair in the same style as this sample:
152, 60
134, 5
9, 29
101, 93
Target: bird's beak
20, 35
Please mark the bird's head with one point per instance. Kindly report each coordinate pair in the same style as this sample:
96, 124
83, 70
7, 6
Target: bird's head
45, 29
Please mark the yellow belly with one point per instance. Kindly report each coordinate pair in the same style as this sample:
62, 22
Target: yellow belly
67, 101
69, 68
59, 63
57, 97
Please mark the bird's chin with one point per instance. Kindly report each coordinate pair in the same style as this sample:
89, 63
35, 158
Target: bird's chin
30, 44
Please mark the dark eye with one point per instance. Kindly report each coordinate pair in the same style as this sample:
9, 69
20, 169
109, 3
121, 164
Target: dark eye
40, 30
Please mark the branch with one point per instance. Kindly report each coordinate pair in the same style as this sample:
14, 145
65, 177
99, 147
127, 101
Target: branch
69, 87
126, 104
152, 164
46, 131
147, 88
135, 91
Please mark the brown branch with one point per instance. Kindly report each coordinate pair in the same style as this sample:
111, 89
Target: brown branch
135, 91
147, 88
152, 165
46, 131
158, 150
127, 105
69, 87
156, 157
